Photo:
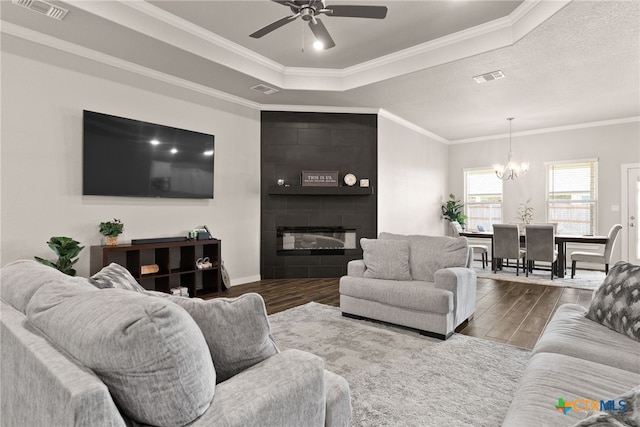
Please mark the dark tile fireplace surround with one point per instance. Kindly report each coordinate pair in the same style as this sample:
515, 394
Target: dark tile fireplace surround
313, 232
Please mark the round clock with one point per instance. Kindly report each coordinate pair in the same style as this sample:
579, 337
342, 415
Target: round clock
350, 179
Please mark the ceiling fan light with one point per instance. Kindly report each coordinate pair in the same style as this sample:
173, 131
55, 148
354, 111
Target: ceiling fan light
318, 45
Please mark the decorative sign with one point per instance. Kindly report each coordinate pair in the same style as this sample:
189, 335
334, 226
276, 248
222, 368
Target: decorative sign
319, 178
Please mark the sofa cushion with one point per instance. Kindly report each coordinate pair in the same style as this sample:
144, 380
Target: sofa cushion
569, 332
549, 377
237, 331
386, 259
115, 276
411, 294
616, 303
428, 254
21, 279
148, 351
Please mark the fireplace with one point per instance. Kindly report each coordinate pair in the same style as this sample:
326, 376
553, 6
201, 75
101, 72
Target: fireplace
315, 240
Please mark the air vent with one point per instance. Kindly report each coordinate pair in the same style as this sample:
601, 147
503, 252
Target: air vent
494, 75
267, 90
45, 8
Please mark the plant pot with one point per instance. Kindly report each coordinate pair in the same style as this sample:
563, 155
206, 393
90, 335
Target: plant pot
112, 240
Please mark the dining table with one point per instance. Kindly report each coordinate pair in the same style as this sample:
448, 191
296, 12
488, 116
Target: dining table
560, 239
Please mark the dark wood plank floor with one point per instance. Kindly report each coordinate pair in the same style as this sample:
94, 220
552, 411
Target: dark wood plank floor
506, 312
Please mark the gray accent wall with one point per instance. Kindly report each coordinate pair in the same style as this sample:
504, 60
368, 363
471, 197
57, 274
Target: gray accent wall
297, 141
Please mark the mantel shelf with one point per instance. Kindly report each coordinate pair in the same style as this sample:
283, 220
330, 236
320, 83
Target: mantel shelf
278, 190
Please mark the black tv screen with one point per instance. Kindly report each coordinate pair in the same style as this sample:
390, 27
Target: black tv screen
125, 157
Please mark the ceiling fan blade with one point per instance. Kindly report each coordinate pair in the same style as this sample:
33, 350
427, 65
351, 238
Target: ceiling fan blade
282, 2
273, 26
375, 12
321, 34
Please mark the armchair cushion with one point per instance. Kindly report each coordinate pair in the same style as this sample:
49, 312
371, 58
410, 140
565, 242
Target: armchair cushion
616, 303
148, 351
236, 330
386, 259
429, 254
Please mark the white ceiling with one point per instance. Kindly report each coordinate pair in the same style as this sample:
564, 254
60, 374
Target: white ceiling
566, 63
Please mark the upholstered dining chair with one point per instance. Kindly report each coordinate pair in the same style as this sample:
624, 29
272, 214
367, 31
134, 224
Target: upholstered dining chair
595, 257
540, 245
483, 250
506, 245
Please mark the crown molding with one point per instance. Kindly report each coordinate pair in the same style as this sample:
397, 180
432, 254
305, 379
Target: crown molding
148, 19
90, 54
386, 114
550, 130
318, 109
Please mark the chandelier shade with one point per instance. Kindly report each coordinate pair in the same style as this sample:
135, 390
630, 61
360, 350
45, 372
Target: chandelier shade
512, 170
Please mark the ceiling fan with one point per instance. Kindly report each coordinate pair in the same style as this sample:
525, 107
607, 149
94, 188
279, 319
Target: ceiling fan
309, 9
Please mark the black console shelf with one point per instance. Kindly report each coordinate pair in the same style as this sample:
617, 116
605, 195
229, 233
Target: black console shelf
281, 190
176, 262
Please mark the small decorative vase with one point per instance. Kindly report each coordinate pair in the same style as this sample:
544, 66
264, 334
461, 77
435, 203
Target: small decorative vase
112, 240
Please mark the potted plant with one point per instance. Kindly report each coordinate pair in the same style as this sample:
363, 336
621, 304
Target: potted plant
525, 213
67, 249
452, 210
111, 230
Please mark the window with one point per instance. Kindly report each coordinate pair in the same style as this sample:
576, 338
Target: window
572, 196
483, 198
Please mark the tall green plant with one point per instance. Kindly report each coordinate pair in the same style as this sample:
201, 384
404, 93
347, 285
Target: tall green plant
66, 249
452, 210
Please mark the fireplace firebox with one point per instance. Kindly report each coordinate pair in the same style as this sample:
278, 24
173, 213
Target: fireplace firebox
315, 240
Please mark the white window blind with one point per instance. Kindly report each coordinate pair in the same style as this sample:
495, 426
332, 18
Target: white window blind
572, 196
483, 198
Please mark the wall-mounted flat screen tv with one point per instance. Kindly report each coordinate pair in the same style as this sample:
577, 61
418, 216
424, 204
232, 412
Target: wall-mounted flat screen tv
125, 157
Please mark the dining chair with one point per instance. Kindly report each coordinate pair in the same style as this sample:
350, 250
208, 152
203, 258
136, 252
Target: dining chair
506, 245
483, 250
595, 257
540, 245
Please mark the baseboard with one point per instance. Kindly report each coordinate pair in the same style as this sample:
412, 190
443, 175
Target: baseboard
247, 279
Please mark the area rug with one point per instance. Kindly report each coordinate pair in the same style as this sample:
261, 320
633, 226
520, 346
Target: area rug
400, 378
584, 279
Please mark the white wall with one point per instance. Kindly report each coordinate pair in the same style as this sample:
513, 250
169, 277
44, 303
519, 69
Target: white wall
41, 160
412, 178
612, 145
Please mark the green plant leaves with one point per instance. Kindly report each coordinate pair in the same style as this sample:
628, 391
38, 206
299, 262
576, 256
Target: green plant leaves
66, 249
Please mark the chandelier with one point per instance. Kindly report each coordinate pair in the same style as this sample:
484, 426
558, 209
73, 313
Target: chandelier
512, 170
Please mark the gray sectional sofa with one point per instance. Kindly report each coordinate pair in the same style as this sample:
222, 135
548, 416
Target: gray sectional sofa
579, 362
420, 282
76, 355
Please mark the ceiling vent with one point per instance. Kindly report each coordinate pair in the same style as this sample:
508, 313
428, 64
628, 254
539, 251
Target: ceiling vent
45, 8
267, 90
494, 75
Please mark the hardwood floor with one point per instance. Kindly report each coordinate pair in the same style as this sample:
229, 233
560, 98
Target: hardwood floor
506, 312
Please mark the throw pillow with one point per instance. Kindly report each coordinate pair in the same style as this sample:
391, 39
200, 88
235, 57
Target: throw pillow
20, 280
236, 330
386, 259
630, 416
148, 351
115, 276
616, 303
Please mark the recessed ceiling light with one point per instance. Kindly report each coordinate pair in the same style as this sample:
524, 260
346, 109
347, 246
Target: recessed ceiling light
208, 153
487, 77
154, 142
174, 150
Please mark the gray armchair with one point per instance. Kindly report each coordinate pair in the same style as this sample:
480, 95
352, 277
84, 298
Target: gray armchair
595, 257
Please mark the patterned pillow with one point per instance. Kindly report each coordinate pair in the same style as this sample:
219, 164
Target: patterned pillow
616, 303
386, 259
630, 416
115, 276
